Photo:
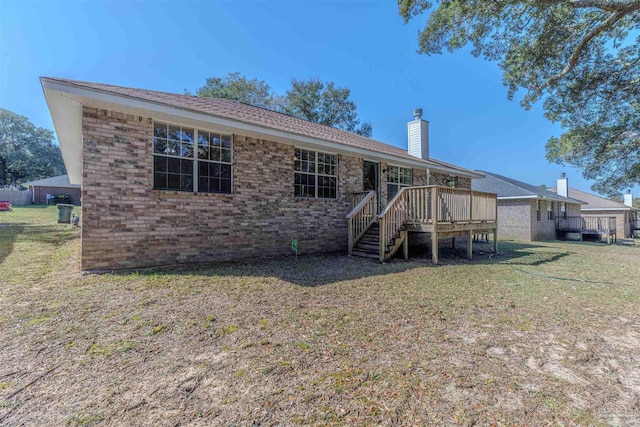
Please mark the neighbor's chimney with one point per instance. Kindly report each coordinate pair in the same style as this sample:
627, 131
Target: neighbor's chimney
563, 185
418, 134
628, 199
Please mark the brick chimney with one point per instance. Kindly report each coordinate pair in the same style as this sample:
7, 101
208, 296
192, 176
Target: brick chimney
628, 199
418, 136
563, 185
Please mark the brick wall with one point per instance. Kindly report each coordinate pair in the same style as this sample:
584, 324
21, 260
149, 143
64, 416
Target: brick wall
514, 219
545, 229
126, 224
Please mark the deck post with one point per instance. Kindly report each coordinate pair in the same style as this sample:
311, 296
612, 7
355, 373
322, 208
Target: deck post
405, 245
434, 247
453, 243
383, 243
495, 240
350, 236
470, 244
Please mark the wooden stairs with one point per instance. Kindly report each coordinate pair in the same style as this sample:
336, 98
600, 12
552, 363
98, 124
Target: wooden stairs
369, 244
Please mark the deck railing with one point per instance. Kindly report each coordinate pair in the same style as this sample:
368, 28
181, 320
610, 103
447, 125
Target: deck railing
357, 197
449, 205
361, 217
582, 223
392, 219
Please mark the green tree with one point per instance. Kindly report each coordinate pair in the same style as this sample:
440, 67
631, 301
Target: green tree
238, 88
581, 57
27, 152
311, 100
324, 103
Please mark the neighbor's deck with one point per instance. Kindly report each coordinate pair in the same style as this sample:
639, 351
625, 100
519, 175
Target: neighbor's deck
602, 226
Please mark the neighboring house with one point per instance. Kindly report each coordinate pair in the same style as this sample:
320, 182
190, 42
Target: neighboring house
526, 212
170, 178
44, 189
596, 207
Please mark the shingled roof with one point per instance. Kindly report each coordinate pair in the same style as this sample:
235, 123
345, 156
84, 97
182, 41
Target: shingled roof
593, 202
61, 181
233, 110
508, 188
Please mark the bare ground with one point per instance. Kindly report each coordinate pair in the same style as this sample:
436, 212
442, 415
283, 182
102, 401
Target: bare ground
539, 334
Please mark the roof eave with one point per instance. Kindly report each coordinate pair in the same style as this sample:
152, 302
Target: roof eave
77, 96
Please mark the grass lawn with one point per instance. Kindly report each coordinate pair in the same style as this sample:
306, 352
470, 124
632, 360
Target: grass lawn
539, 334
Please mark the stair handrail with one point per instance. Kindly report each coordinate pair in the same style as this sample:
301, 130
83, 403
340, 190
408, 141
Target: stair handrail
360, 218
392, 219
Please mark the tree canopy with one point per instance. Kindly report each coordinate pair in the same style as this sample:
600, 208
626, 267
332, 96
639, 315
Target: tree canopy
313, 100
580, 57
27, 152
238, 88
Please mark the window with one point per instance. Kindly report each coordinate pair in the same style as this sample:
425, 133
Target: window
316, 174
550, 212
563, 210
181, 164
397, 177
538, 213
451, 181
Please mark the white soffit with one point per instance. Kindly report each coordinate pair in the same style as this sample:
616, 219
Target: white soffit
67, 121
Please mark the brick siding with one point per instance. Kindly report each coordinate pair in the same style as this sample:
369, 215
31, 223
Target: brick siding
127, 224
515, 219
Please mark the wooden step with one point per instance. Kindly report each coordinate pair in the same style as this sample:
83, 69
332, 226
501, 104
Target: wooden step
366, 247
370, 239
365, 254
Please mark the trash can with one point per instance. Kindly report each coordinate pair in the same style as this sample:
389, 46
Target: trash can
64, 213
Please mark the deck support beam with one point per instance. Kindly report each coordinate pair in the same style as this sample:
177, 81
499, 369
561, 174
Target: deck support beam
405, 245
470, 244
495, 240
434, 247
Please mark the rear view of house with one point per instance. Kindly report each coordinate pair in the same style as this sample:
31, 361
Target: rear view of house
623, 216
172, 178
527, 212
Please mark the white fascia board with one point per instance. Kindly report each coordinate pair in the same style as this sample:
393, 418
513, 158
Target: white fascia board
155, 110
606, 209
516, 197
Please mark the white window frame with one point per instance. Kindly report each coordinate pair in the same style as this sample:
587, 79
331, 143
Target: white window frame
316, 174
550, 211
195, 174
400, 185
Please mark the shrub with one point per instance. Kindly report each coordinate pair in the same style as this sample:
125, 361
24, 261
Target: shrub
63, 198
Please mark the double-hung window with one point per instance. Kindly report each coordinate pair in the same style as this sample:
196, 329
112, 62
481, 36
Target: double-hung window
397, 177
188, 159
316, 174
550, 210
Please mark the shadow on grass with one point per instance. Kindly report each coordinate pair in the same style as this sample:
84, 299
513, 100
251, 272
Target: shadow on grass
326, 269
8, 235
36, 234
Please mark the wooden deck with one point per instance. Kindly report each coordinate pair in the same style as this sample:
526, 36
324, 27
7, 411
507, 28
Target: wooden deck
442, 212
602, 226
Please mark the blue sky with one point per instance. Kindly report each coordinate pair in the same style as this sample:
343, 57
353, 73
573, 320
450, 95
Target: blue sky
363, 45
